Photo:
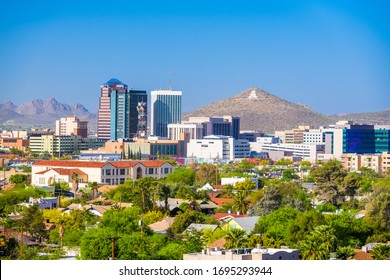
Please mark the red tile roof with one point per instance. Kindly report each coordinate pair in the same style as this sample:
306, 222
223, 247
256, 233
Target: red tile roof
360, 255
224, 215
99, 164
68, 172
71, 163
220, 200
152, 163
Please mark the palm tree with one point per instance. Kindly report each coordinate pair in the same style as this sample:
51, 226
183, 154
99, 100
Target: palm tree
240, 202
380, 252
75, 182
235, 238
320, 243
345, 253
164, 193
94, 187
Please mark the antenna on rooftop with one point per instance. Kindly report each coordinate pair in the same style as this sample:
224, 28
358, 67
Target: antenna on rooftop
170, 78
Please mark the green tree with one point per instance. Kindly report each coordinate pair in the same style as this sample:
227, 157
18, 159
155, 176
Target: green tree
277, 223
96, 244
33, 222
172, 251
245, 186
183, 220
319, 244
380, 252
378, 205
284, 162
345, 253
182, 175
206, 173
94, 187
235, 238
18, 179
302, 225
329, 177
349, 230
240, 203
350, 184
289, 174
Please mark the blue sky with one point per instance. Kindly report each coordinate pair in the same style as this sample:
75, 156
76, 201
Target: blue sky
333, 56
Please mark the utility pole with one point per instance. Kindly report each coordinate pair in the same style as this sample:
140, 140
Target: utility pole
21, 242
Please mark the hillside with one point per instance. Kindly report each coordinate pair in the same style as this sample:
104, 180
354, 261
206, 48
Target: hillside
260, 110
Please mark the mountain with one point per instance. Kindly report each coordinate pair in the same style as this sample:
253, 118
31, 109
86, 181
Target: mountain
260, 110
41, 113
382, 117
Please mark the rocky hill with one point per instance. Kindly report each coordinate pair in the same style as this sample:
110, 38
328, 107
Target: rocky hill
40, 113
260, 110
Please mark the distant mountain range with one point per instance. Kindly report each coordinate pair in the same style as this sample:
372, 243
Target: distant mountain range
40, 113
258, 110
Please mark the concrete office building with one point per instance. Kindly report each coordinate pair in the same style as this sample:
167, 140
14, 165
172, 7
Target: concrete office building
218, 147
71, 126
226, 125
165, 109
60, 145
194, 131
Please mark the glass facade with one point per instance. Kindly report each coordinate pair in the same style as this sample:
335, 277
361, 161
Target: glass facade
365, 141
166, 109
124, 115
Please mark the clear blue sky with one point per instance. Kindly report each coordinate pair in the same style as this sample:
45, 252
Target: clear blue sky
333, 56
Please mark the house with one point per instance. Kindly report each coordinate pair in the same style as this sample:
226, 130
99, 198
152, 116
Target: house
97, 210
243, 223
162, 226
201, 227
46, 172
9, 233
206, 207
225, 217
42, 202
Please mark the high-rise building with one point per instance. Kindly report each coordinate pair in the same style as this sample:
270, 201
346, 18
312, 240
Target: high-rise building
165, 109
104, 113
118, 114
71, 126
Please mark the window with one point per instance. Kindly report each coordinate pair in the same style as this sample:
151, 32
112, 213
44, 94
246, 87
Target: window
122, 171
151, 170
108, 172
166, 170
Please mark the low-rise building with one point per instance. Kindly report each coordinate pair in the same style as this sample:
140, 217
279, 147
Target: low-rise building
59, 145
46, 172
379, 163
218, 147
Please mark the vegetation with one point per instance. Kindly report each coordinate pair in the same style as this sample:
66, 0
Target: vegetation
286, 214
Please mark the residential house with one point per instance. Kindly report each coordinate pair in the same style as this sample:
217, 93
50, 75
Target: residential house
243, 223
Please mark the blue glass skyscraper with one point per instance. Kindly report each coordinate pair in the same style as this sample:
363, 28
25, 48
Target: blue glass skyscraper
165, 109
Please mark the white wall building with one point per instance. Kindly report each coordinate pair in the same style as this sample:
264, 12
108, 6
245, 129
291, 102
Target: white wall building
218, 147
194, 131
46, 172
308, 152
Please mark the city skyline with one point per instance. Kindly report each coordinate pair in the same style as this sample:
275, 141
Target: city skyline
311, 53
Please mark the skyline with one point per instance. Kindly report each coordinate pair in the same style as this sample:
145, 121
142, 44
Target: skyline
299, 51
